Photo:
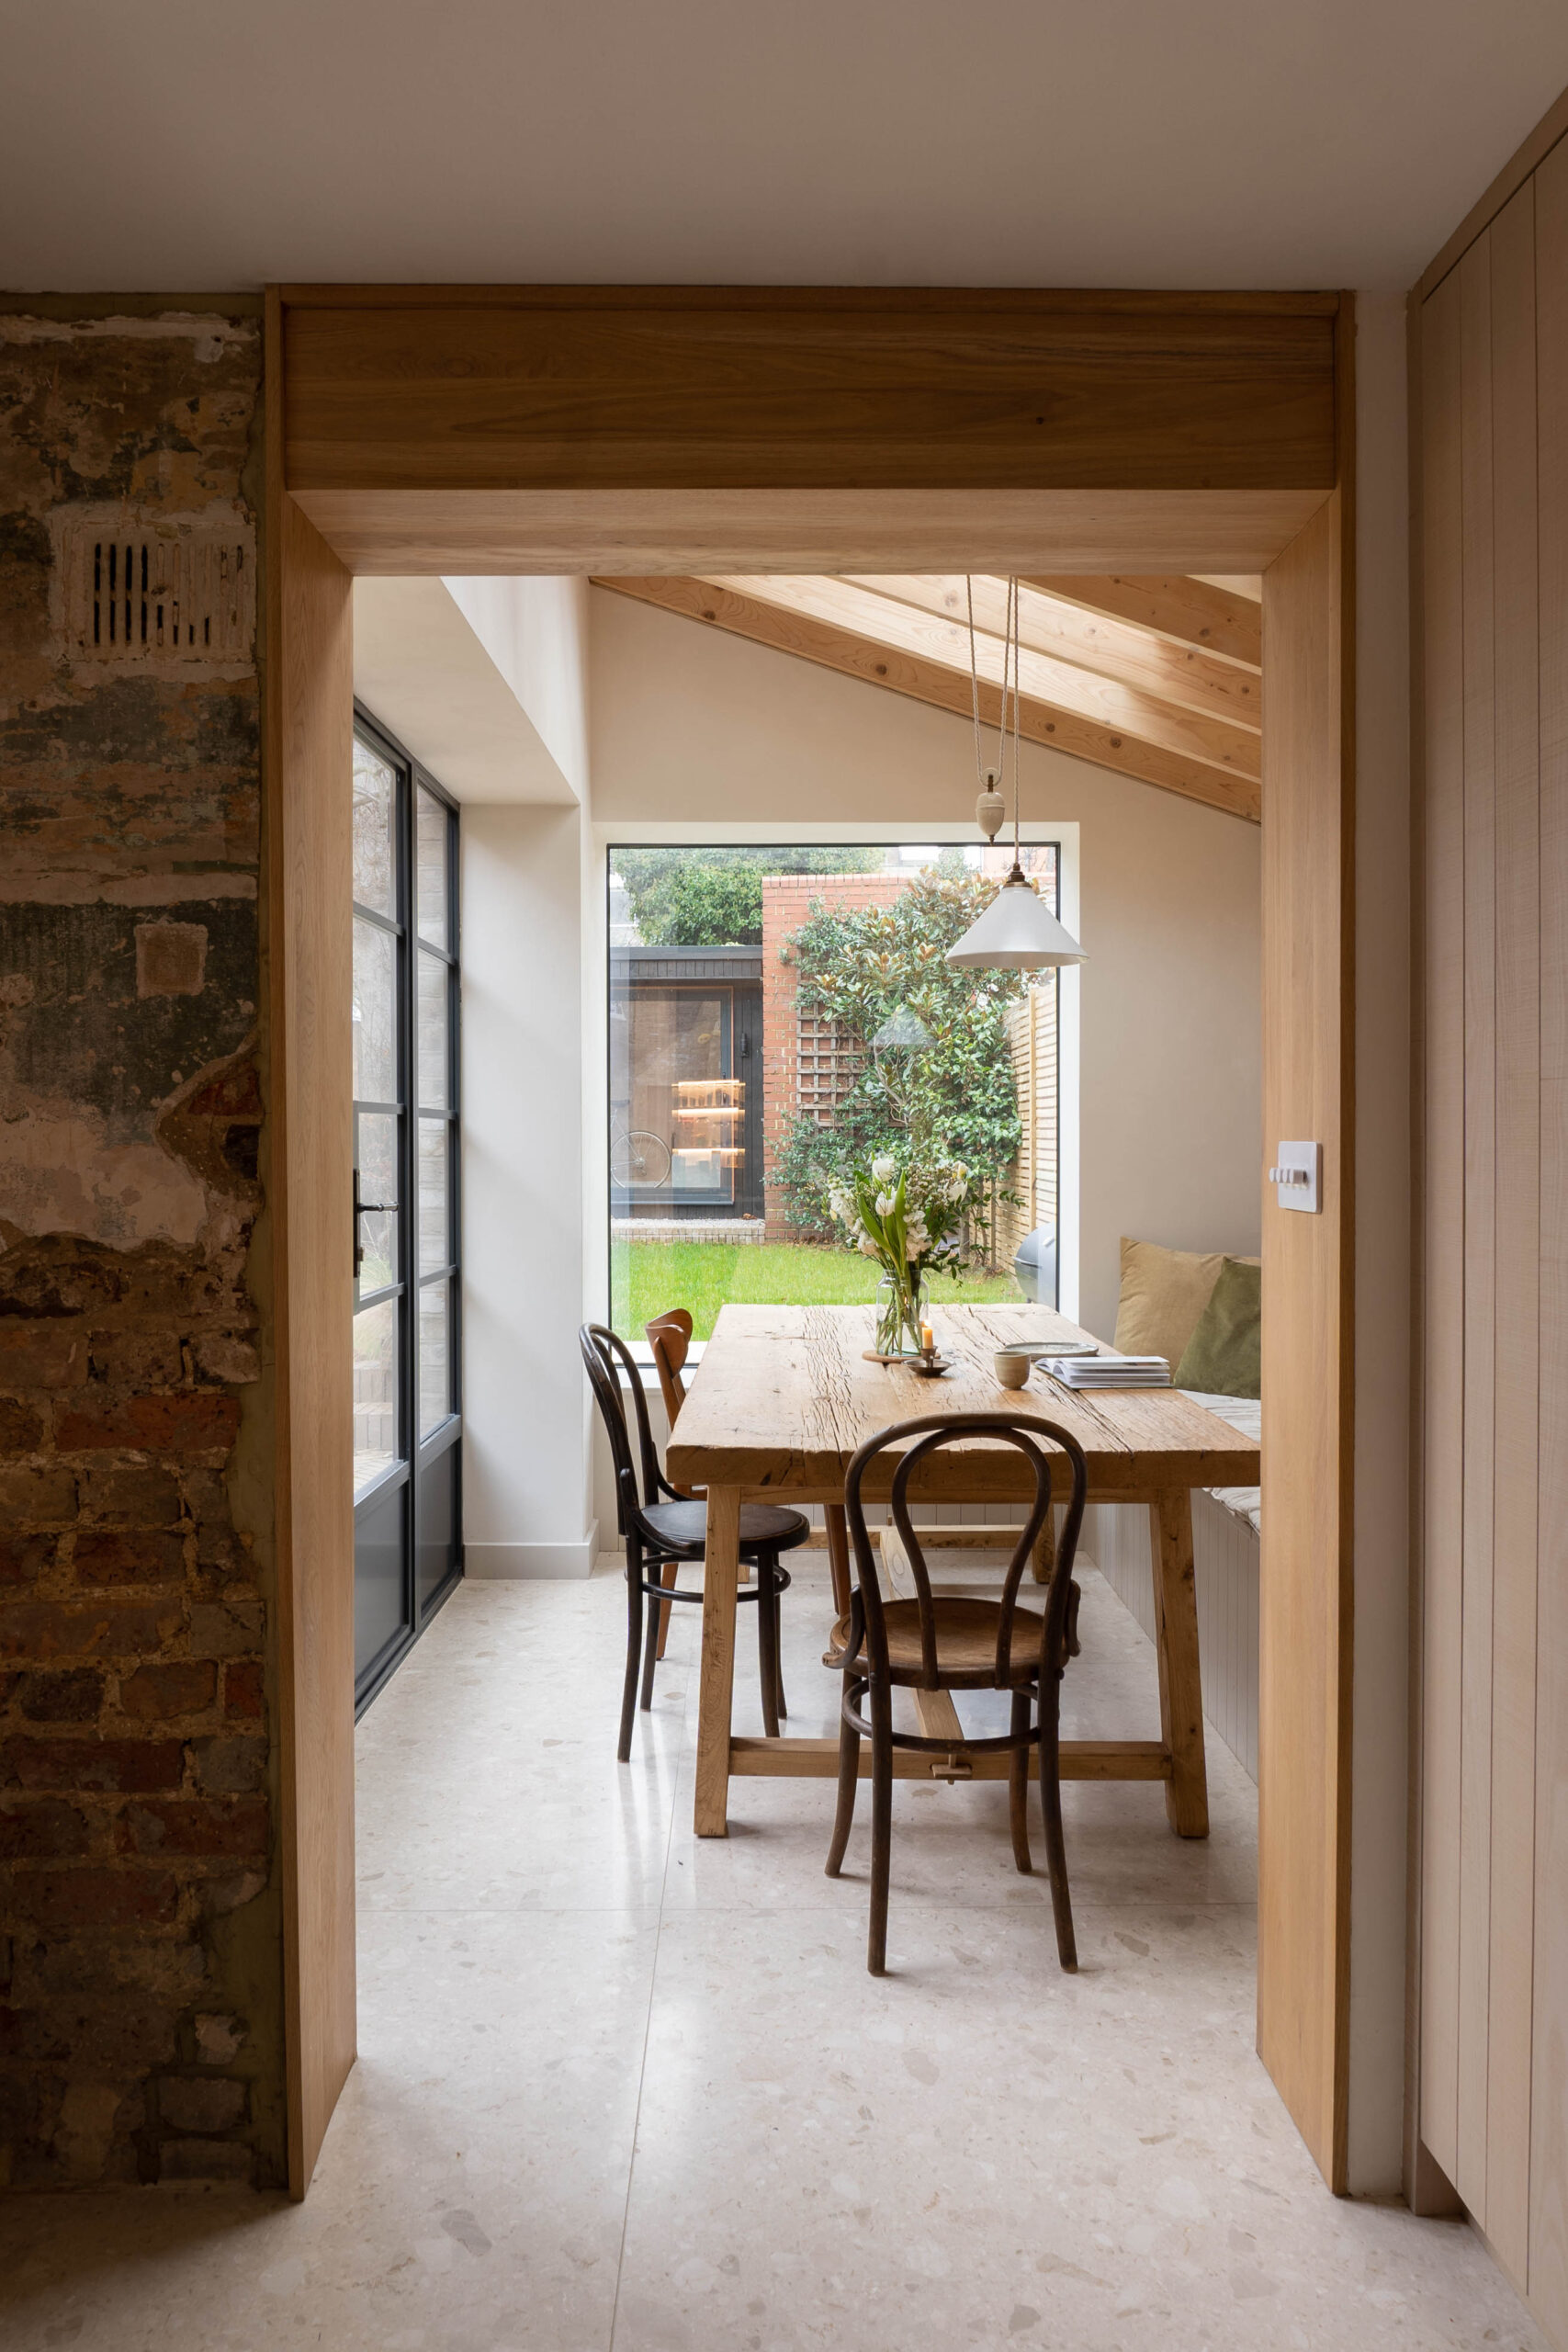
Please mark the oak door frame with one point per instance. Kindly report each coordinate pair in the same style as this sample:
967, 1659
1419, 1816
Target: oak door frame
379, 461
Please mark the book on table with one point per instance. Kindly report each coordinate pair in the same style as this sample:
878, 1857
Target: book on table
1109, 1371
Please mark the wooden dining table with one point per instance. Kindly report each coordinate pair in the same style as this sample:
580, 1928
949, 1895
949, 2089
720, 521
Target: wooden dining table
784, 1399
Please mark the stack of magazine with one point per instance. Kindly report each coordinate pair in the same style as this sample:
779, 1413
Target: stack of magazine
1107, 1371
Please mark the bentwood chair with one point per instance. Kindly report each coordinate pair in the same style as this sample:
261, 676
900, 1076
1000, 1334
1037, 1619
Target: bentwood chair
659, 1526
960, 1643
670, 1337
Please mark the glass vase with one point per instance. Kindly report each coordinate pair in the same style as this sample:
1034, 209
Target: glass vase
900, 1311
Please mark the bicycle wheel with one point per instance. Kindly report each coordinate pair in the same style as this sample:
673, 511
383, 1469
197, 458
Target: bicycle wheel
639, 1156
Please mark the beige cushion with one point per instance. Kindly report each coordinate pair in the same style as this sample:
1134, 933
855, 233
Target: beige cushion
1164, 1292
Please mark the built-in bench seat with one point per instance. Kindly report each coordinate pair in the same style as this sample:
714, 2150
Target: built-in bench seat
1225, 1556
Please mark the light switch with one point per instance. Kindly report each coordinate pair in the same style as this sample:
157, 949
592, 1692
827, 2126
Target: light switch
1297, 1176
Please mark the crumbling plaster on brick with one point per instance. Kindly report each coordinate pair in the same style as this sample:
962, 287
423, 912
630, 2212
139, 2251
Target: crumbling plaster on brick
141, 1973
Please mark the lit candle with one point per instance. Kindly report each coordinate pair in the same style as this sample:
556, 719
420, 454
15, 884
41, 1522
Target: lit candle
927, 1338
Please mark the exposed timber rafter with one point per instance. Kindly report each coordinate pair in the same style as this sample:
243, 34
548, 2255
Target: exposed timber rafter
1177, 605
1110, 648
1062, 686
904, 649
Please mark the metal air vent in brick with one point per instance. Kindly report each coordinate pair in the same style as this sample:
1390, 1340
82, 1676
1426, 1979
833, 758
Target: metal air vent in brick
169, 594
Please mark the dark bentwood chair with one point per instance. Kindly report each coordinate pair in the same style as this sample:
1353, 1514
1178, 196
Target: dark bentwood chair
659, 1526
670, 1337
945, 1643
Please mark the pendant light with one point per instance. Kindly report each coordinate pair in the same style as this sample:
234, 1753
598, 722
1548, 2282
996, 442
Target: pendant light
903, 1032
1018, 932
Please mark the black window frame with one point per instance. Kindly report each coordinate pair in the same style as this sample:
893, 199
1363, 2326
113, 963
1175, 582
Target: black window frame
417, 1453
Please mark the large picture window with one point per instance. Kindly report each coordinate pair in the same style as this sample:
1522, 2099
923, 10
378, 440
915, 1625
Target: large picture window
775, 1012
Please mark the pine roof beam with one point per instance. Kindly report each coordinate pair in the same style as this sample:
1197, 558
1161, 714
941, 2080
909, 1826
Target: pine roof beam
1061, 686
1094, 641
833, 646
1175, 605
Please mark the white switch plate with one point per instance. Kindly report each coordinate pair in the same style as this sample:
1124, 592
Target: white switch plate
1297, 1176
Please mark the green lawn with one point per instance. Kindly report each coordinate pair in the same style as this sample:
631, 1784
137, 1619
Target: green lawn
646, 1278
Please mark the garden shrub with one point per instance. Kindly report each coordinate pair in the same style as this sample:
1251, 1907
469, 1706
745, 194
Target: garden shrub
956, 1100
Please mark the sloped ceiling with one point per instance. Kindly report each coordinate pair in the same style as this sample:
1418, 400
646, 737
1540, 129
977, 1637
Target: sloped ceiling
1157, 678
1130, 142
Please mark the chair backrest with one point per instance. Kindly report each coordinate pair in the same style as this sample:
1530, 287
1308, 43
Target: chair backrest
670, 1337
605, 1354
932, 1432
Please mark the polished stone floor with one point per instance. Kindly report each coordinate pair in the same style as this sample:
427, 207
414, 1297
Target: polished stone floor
619, 2091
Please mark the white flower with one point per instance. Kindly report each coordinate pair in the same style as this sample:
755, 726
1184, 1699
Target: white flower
957, 1184
886, 1204
867, 1247
841, 1206
884, 1168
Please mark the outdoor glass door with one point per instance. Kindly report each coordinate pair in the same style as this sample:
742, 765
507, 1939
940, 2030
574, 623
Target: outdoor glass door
407, 1498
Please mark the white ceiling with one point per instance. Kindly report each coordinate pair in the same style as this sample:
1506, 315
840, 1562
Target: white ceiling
1066, 143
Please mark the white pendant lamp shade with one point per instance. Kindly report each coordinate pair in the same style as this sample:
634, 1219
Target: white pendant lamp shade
1018, 932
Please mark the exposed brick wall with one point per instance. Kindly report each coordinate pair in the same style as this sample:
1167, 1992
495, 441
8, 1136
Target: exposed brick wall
786, 902
139, 1939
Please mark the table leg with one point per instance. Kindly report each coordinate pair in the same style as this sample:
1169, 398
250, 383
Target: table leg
838, 1556
1181, 1689
721, 1579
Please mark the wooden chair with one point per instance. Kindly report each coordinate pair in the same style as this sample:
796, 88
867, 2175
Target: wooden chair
659, 1527
670, 1337
946, 1643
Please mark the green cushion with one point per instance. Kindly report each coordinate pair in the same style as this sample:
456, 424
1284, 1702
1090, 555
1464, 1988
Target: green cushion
1225, 1355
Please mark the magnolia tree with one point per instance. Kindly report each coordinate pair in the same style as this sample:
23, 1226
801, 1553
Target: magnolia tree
944, 1117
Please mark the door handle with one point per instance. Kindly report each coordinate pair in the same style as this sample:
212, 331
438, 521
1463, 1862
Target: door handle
364, 1208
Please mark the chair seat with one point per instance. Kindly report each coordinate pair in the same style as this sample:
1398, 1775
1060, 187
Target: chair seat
685, 1526
965, 1642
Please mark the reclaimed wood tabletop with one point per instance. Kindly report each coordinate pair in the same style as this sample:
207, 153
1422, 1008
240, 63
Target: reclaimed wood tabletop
784, 1397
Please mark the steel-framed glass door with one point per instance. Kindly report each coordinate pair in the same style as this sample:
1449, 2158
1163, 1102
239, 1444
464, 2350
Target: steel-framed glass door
407, 1407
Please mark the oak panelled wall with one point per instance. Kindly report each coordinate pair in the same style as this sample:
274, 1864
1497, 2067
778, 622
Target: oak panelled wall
1492, 353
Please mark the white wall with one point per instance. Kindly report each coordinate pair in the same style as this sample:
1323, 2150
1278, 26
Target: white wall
536, 632
483, 680
691, 727
525, 1443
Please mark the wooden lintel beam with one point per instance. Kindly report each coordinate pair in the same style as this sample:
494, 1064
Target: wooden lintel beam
930, 681
1174, 604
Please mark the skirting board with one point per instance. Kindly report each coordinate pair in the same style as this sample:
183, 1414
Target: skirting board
501, 1563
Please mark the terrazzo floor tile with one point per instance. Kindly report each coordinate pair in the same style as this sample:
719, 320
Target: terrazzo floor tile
979, 2151
622, 2090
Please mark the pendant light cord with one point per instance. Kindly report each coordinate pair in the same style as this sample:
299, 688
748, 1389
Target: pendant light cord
1017, 623
1011, 648
974, 685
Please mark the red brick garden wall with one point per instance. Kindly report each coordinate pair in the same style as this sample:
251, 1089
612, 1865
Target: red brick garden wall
141, 1975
